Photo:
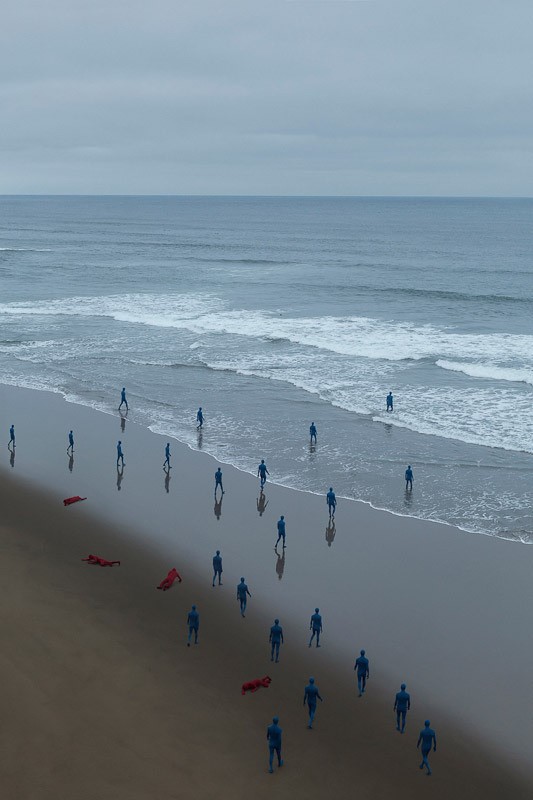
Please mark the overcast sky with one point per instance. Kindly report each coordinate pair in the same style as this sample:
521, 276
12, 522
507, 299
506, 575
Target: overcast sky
335, 97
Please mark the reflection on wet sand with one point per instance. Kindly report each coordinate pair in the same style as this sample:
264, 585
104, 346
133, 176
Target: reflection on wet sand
167, 480
408, 499
330, 532
120, 475
218, 506
262, 503
11, 458
280, 564
200, 439
123, 418
71, 463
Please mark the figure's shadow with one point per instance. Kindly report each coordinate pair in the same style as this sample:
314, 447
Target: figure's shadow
330, 532
11, 458
167, 480
280, 564
262, 503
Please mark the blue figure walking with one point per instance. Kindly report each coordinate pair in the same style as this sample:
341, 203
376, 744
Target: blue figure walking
274, 743
199, 418
218, 481
363, 672
390, 402
193, 621
275, 639
123, 401
402, 704
427, 737
408, 478
120, 454
70, 448
262, 472
281, 531
312, 432
315, 626
331, 500
242, 593
217, 568
11, 443
310, 696
167, 456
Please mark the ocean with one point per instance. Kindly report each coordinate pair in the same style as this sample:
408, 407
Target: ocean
271, 313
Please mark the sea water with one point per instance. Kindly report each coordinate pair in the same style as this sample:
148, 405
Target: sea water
271, 313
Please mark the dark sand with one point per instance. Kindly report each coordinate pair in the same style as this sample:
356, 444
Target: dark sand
102, 699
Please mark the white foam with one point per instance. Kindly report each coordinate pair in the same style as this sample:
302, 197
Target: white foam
25, 249
489, 371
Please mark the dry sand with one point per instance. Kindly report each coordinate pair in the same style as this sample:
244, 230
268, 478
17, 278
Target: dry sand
102, 698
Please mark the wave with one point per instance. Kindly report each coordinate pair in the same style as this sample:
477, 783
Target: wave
488, 371
25, 249
361, 337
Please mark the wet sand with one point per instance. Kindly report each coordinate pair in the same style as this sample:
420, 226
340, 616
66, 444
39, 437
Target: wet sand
103, 698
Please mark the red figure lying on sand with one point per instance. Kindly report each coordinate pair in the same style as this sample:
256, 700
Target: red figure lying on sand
102, 562
253, 686
167, 582
69, 500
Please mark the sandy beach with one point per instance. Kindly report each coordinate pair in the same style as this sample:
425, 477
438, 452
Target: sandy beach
104, 700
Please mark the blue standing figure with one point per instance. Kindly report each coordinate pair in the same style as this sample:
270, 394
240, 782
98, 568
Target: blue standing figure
217, 568
123, 401
11, 443
390, 402
315, 626
281, 531
70, 448
428, 738
363, 672
310, 697
262, 472
120, 454
275, 639
199, 418
331, 500
218, 481
312, 432
242, 594
167, 456
274, 743
402, 704
193, 621
408, 478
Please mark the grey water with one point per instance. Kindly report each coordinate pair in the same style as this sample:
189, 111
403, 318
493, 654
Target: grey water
271, 313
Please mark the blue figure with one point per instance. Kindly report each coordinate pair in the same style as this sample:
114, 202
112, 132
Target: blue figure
312, 432
281, 531
402, 705
120, 454
276, 638
363, 672
167, 456
123, 401
274, 743
193, 621
428, 738
70, 448
331, 500
408, 478
262, 472
310, 696
390, 402
217, 568
11, 443
199, 418
315, 626
242, 592
218, 480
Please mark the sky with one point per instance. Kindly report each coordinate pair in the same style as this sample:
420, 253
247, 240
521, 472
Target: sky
285, 97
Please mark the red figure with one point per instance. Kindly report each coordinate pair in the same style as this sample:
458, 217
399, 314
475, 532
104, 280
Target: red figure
69, 500
167, 582
102, 562
253, 686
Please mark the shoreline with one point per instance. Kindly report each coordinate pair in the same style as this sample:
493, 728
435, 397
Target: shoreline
385, 554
